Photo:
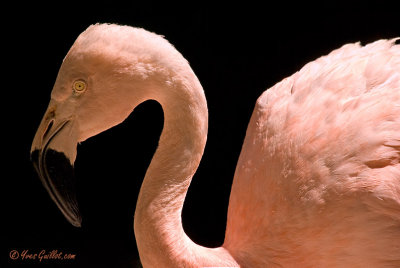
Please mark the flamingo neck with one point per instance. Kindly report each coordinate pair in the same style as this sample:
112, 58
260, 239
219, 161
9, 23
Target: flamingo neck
160, 237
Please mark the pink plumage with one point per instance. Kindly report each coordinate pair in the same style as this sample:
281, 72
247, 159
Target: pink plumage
319, 173
317, 183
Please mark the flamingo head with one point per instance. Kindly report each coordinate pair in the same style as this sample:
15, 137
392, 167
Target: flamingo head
108, 71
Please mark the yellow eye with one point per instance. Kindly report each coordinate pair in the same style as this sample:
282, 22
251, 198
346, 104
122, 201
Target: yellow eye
79, 86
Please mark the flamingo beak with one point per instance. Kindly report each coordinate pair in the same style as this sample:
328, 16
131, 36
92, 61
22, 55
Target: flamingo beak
53, 152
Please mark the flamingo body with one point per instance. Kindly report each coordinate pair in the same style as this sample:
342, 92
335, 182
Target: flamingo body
318, 179
317, 183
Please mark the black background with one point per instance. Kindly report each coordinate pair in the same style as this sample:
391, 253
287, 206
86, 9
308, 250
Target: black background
236, 50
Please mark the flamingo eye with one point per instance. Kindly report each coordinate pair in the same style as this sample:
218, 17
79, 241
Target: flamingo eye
79, 86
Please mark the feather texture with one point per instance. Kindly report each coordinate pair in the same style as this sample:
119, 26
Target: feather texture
319, 173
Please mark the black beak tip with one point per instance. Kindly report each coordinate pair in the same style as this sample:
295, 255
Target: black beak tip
77, 223
56, 173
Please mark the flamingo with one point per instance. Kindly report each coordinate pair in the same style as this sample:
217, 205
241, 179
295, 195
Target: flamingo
317, 183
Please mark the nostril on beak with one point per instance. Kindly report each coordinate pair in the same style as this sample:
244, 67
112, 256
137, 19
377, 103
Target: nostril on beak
49, 126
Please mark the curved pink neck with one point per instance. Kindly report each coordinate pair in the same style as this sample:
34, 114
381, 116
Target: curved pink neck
160, 237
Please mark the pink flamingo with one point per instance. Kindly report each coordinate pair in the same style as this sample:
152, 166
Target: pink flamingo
317, 183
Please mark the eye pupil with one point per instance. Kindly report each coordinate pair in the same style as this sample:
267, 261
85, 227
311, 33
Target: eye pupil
79, 86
